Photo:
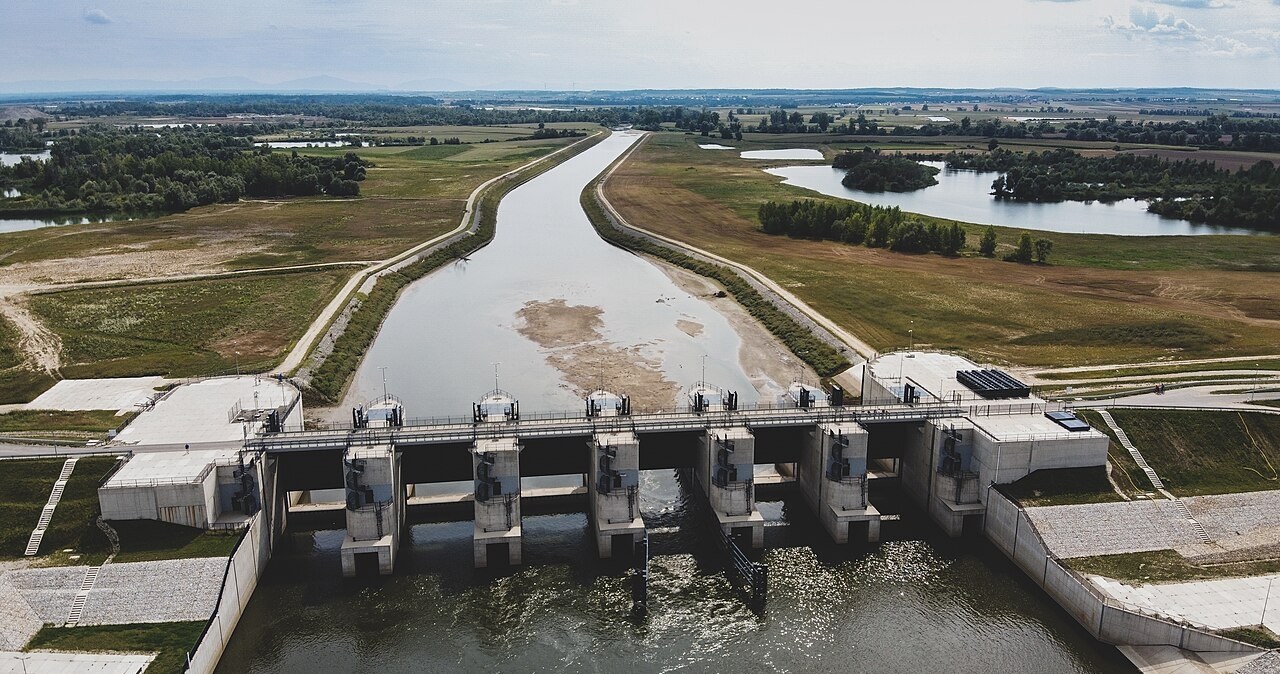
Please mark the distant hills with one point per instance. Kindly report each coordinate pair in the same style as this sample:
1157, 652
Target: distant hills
37, 90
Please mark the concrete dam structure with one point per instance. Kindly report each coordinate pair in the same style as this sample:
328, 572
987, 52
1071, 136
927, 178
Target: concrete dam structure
946, 428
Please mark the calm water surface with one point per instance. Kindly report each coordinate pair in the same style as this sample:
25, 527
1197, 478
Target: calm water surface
11, 158
24, 224
916, 603
966, 196
440, 341
791, 153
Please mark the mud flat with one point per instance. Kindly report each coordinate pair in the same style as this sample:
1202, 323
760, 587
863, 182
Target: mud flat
570, 337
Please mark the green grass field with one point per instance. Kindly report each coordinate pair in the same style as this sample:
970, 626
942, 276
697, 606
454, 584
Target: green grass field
170, 641
24, 489
1063, 486
185, 328
410, 195
1165, 566
145, 541
72, 524
1098, 301
1263, 364
1198, 453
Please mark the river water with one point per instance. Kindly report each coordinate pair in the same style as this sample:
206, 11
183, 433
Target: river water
966, 196
916, 603
442, 338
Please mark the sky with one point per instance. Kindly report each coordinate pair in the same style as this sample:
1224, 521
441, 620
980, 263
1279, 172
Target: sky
612, 44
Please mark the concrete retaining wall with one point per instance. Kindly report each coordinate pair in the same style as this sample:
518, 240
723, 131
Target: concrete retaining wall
1008, 527
243, 570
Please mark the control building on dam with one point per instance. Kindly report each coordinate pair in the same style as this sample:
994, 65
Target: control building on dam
945, 427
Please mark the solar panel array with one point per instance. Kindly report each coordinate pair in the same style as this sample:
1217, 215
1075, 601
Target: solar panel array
993, 384
1068, 421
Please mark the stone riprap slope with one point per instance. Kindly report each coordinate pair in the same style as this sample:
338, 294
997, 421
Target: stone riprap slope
1240, 526
137, 592
18, 623
154, 592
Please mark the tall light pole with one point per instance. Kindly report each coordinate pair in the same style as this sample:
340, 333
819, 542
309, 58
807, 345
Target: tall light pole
1266, 601
384, 381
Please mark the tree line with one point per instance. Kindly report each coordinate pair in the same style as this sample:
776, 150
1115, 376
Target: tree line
1192, 190
860, 224
105, 169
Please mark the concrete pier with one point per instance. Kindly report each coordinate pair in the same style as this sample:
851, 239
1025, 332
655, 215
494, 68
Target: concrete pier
374, 509
496, 468
615, 490
725, 465
833, 477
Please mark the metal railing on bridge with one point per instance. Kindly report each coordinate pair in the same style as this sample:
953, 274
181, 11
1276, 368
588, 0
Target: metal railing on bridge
443, 430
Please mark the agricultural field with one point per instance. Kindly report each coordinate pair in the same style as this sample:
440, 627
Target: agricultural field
1097, 302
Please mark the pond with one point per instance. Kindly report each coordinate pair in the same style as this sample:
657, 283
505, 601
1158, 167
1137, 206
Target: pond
795, 153
12, 158
8, 225
966, 196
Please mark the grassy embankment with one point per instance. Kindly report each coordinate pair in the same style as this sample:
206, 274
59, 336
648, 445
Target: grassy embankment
1104, 299
170, 641
185, 328
18, 382
24, 489
330, 379
1166, 566
1197, 453
59, 424
412, 194
822, 357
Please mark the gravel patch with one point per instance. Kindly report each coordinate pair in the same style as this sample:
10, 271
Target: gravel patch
18, 623
1112, 528
150, 592
49, 591
1267, 663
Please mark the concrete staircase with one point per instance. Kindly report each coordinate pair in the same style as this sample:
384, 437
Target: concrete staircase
46, 514
1155, 479
82, 596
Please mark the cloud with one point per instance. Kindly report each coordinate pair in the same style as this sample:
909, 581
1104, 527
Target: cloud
1150, 23
1195, 4
96, 16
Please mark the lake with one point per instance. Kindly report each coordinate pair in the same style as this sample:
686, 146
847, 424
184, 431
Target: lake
12, 158
966, 196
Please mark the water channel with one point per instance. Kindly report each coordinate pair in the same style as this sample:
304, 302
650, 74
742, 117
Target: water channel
966, 196
440, 342
916, 603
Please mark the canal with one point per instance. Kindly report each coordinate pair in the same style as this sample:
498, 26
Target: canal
918, 602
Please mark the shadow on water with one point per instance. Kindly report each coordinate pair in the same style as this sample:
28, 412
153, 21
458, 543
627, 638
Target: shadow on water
915, 602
